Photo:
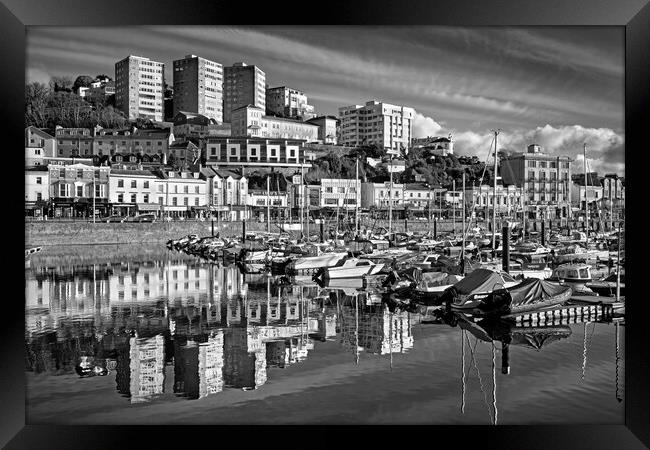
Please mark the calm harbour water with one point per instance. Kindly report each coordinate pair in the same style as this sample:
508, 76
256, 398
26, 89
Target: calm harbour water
187, 342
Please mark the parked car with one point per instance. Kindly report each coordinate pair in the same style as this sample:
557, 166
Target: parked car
114, 219
144, 218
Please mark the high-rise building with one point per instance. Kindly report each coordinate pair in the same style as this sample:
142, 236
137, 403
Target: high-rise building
198, 85
289, 103
243, 85
382, 124
139, 88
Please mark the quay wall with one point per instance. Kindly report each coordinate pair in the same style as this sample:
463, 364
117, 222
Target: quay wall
48, 233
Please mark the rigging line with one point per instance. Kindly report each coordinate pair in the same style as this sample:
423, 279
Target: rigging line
480, 183
478, 374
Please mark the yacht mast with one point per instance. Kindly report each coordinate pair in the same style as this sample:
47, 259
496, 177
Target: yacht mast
494, 195
356, 203
390, 199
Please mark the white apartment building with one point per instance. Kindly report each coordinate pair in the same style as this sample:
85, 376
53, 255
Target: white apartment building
139, 88
250, 120
340, 192
180, 193
379, 194
382, 124
288, 102
133, 191
198, 87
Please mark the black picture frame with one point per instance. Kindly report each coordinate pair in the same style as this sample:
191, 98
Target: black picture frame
634, 15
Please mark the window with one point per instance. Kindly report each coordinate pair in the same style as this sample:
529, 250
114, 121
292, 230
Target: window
120, 198
196, 201
120, 183
160, 188
146, 184
133, 198
174, 201
328, 189
185, 201
37, 151
80, 173
145, 198
186, 189
39, 180
39, 197
134, 184
175, 189
531, 175
80, 191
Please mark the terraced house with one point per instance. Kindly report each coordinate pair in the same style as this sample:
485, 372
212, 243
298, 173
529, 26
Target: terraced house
74, 187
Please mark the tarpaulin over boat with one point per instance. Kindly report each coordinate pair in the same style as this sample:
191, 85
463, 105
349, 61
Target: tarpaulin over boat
434, 279
480, 280
534, 290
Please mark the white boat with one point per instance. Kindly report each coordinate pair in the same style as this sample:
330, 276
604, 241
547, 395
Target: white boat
352, 268
425, 261
286, 227
574, 275
312, 263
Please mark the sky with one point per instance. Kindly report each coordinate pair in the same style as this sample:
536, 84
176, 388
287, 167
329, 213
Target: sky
559, 87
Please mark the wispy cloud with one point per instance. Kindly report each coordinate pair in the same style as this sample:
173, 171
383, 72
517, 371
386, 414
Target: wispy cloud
465, 78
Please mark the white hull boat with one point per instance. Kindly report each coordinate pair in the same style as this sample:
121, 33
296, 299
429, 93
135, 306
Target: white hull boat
352, 268
312, 263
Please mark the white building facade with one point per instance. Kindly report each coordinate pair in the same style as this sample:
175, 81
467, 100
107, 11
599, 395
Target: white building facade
388, 126
139, 88
340, 193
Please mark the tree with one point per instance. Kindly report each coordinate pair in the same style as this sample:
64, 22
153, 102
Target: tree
36, 98
103, 76
82, 81
58, 84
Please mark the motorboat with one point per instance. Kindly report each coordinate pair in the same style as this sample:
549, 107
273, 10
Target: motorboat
425, 261
431, 286
530, 248
310, 264
574, 275
469, 292
531, 294
350, 268
607, 286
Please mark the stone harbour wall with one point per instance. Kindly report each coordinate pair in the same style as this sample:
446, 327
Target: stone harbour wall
43, 233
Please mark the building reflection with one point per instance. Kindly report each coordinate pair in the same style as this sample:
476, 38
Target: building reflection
374, 329
191, 329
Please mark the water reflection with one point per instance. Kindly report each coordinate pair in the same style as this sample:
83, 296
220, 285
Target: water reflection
191, 330
216, 326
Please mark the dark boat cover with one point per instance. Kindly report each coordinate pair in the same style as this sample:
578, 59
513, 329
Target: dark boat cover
480, 280
534, 290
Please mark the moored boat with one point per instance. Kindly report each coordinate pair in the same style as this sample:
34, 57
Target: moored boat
350, 268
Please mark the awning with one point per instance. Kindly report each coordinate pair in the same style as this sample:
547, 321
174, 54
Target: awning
219, 208
148, 206
199, 208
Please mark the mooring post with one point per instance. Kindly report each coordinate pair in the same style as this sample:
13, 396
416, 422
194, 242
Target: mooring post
243, 230
543, 233
505, 252
505, 358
